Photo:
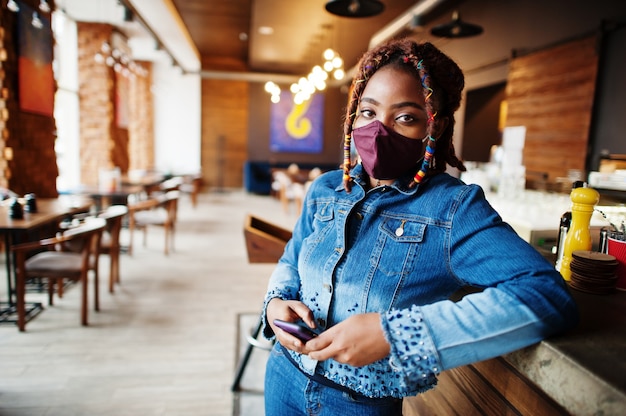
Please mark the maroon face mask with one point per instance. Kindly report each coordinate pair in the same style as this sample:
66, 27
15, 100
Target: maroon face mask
384, 153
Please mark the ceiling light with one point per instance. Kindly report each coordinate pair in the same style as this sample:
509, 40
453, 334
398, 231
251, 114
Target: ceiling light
355, 8
266, 30
44, 6
13, 6
36, 21
456, 28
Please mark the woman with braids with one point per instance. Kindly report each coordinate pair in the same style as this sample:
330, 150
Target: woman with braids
382, 246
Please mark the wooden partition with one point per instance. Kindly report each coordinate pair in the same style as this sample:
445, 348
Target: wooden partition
551, 92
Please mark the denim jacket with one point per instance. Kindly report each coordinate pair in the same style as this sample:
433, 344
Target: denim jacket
403, 253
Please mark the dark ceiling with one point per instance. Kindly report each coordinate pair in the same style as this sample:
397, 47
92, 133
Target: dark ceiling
226, 32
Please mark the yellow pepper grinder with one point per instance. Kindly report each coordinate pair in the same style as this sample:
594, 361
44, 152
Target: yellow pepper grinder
578, 236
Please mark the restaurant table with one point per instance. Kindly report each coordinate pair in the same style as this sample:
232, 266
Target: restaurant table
102, 198
49, 212
149, 182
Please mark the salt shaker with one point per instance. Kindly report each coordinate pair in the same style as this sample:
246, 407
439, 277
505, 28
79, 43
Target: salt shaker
30, 204
15, 210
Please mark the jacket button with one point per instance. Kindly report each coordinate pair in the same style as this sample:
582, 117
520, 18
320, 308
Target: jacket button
321, 322
328, 287
359, 216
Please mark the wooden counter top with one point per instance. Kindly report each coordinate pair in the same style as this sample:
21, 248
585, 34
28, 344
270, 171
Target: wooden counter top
583, 370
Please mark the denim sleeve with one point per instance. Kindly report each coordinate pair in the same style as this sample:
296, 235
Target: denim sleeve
284, 283
523, 298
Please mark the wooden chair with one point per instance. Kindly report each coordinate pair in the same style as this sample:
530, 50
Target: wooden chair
110, 241
161, 211
55, 264
191, 185
265, 243
172, 184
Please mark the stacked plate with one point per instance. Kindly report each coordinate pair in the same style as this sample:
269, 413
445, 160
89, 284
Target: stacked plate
593, 272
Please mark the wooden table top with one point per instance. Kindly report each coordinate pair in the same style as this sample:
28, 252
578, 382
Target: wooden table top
48, 209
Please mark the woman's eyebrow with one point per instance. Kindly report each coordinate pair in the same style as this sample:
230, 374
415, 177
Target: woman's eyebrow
370, 100
408, 104
397, 105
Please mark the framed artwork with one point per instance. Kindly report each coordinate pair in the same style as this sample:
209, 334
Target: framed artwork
35, 75
297, 128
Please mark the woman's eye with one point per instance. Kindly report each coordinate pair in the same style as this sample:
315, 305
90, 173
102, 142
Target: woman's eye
406, 119
366, 113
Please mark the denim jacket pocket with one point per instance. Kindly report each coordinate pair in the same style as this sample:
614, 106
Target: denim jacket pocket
398, 245
322, 221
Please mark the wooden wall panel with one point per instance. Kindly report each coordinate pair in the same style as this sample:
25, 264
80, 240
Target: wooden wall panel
551, 92
224, 132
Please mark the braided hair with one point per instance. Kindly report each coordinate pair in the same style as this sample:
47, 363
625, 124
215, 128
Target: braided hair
442, 82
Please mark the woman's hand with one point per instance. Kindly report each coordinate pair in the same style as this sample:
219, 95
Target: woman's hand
357, 341
290, 311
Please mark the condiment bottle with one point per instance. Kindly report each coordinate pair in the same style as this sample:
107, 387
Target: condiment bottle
566, 220
30, 203
16, 211
578, 236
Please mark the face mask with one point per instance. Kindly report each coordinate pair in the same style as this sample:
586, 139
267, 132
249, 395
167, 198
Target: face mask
384, 153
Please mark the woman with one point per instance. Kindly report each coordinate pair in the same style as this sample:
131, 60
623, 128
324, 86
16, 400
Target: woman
382, 246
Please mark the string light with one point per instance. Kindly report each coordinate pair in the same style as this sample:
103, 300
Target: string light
13, 6
44, 7
315, 81
274, 90
36, 21
119, 61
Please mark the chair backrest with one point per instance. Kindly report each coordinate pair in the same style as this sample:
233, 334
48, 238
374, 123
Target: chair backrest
113, 216
88, 233
171, 184
114, 211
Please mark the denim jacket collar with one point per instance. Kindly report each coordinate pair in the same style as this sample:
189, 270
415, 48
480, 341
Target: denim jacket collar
360, 178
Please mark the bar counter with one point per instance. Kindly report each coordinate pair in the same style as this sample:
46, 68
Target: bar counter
581, 372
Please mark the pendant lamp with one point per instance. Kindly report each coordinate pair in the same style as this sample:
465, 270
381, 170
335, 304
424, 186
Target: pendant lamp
456, 28
355, 8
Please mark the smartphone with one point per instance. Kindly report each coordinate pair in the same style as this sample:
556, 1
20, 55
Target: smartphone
300, 331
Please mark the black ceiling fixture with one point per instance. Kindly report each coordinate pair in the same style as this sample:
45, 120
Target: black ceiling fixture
355, 8
456, 28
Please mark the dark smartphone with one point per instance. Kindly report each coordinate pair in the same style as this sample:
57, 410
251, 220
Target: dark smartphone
300, 331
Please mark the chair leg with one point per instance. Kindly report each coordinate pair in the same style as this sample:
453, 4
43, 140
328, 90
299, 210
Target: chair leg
60, 288
117, 268
20, 291
112, 272
83, 305
246, 357
172, 235
51, 283
167, 240
96, 291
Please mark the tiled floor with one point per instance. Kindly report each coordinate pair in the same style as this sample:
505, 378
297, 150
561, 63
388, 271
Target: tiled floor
164, 343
